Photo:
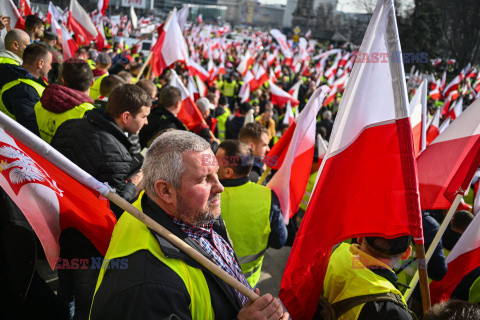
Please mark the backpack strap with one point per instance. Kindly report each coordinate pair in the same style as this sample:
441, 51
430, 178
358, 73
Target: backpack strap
343, 306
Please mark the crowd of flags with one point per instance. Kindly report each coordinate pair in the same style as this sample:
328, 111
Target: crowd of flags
387, 157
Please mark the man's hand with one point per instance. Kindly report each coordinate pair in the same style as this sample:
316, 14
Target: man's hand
4, 22
265, 307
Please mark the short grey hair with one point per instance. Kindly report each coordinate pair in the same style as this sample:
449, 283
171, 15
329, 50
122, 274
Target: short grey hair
164, 161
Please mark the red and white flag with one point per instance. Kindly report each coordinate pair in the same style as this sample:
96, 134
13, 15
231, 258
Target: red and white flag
197, 70
370, 153
81, 24
456, 109
25, 8
170, 46
102, 6
290, 181
282, 41
453, 85
34, 175
331, 96
293, 91
433, 129
101, 40
192, 89
289, 117
280, 97
448, 164
464, 258
261, 76
189, 113
69, 47
418, 118
10, 10
53, 12
245, 63
452, 96
202, 88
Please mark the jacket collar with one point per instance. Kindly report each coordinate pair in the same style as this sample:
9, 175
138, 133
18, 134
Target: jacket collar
234, 182
101, 119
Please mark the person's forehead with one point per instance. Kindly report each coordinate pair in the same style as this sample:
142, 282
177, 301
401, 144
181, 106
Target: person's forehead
201, 162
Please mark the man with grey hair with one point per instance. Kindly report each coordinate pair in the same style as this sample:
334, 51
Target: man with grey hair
158, 281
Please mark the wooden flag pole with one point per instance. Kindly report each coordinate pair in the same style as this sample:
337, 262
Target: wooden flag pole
150, 55
422, 271
264, 175
435, 241
180, 244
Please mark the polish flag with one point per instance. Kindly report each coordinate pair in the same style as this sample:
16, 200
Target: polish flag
290, 181
10, 10
221, 68
452, 86
340, 83
418, 118
456, 109
453, 95
433, 128
189, 114
102, 6
435, 93
371, 144
278, 71
69, 47
202, 88
34, 175
81, 24
101, 41
245, 89
261, 76
53, 12
289, 117
245, 63
270, 59
448, 164
344, 59
463, 259
197, 70
293, 91
25, 8
331, 96
280, 97
282, 41
192, 89
210, 69
170, 46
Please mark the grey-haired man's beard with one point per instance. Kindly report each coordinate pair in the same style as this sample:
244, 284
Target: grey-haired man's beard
196, 217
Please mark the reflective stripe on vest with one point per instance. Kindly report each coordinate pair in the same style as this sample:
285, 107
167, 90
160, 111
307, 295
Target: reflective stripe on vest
95, 89
228, 89
347, 277
7, 60
221, 123
130, 235
48, 122
37, 86
248, 225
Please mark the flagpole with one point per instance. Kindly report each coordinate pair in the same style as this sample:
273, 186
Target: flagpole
422, 271
264, 175
143, 67
435, 241
180, 244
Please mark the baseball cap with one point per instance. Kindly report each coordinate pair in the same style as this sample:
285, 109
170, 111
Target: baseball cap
390, 247
204, 104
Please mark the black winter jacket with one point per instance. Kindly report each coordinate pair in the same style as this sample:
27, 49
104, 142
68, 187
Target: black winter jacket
98, 146
148, 289
160, 119
20, 100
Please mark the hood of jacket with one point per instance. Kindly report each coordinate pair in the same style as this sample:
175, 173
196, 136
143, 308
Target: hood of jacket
9, 54
58, 99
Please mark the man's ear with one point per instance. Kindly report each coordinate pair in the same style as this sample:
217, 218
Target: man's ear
228, 173
124, 117
93, 81
40, 63
407, 253
165, 192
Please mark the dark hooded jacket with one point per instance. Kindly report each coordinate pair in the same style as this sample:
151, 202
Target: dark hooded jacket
58, 99
20, 99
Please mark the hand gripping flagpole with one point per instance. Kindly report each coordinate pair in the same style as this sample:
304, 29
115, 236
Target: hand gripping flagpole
434, 244
48, 152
